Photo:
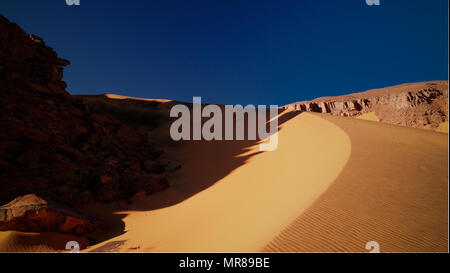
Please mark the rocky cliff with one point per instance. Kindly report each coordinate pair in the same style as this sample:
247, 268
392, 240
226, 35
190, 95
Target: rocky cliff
53, 145
419, 105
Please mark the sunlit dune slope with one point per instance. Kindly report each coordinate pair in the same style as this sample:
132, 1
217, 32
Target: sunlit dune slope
393, 190
305, 196
241, 210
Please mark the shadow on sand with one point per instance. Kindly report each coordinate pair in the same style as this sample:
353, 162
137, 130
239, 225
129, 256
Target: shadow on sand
204, 163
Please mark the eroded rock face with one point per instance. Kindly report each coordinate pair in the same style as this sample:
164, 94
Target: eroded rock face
53, 145
414, 105
34, 214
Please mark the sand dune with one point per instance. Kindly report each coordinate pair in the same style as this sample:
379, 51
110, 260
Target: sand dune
333, 184
245, 209
393, 190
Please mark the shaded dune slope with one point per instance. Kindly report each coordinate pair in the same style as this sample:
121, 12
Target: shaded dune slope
245, 209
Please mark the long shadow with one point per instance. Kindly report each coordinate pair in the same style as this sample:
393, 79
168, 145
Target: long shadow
203, 163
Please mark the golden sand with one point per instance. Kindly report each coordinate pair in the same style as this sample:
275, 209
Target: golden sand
333, 184
369, 116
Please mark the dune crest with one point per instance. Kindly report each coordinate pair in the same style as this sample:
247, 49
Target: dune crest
244, 210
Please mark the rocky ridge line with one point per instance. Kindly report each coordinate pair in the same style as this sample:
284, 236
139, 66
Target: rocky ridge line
415, 105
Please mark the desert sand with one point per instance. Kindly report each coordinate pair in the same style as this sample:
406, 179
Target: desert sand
252, 203
393, 190
333, 184
16, 241
369, 116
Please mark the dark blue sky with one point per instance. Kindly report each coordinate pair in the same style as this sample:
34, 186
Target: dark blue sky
240, 51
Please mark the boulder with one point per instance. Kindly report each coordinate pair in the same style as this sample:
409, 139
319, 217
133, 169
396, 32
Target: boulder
31, 213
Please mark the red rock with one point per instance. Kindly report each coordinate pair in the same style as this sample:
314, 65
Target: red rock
155, 166
59, 139
9, 144
4, 164
31, 213
86, 197
106, 142
14, 76
73, 152
36, 39
80, 130
54, 144
136, 167
138, 195
95, 138
39, 88
43, 180
108, 192
104, 179
73, 225
160, 185
29, 156
100, 119
37, 135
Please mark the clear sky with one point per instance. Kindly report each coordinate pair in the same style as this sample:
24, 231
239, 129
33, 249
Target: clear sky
240, 51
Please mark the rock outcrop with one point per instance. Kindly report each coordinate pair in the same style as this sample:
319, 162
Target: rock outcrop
32, 213
415, 105
53, 145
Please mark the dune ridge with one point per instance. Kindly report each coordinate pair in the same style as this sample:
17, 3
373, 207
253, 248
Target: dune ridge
246, 208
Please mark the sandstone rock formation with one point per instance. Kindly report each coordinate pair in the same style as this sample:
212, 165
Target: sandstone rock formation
55, 146
415, 105
32, 213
